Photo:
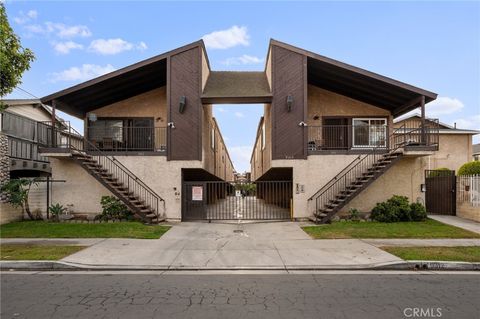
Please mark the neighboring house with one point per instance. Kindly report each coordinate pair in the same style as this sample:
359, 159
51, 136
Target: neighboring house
24, 123
325, 143
455, 144
476, 152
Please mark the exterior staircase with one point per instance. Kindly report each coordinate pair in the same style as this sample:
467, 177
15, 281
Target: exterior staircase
111, 173
363, 171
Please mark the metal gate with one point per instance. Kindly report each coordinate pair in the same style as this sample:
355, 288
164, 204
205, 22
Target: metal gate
440, 196
219, 200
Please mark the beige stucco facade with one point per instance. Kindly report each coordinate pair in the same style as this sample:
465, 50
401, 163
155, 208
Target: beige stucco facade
454, 151
150, 104
82, 192
322, 103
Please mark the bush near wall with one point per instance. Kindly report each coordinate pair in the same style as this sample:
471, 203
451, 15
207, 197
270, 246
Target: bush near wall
438, 172
470, 168
398, 209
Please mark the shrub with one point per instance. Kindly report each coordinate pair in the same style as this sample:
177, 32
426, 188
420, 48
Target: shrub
354, 214
385, 213
438, 172
56, 210
471, 168
113, 208
418, 212
398, 209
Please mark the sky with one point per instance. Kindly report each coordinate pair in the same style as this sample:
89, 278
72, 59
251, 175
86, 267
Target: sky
432, 45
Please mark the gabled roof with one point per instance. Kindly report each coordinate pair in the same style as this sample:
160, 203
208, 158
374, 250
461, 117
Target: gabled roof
443, 127
117, 85
36, 103
360, 84
236, 87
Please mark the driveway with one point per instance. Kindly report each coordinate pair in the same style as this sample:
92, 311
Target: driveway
273, 245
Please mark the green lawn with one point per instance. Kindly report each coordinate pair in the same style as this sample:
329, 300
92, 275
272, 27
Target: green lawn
467, 253
36, 252
41, 229
427, 229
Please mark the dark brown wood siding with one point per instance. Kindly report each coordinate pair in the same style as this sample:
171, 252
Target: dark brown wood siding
289, 78
184, 142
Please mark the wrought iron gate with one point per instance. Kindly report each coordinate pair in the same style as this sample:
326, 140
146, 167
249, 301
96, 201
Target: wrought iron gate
219, 200
440, 195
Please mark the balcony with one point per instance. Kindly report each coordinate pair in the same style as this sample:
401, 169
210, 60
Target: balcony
342, 139
127, 139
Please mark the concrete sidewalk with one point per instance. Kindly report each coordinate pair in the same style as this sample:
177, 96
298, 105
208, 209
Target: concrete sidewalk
233, 246
458, 222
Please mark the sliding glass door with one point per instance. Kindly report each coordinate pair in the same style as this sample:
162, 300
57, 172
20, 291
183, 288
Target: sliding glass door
369, 132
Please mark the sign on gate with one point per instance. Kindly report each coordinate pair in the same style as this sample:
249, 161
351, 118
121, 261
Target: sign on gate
197, 193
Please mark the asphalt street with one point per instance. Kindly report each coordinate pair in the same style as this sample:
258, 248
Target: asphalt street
315, 295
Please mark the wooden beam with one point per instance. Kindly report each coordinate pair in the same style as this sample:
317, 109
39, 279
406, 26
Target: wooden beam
409, 105
54, 106
422, 108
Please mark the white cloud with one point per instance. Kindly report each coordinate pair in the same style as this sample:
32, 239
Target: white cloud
25, 17
82, 73
241, 157
244, 59
228, 38
220, 109
32, 14
239, 114
65, 31
472, 123
59, 29
114, 46
66, 47
142, 46
443, 105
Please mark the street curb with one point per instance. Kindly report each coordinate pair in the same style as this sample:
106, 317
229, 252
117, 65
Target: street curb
400, 265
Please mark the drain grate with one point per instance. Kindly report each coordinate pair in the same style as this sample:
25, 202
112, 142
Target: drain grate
238, 231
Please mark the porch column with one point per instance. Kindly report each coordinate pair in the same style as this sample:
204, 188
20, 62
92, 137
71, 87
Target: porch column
422, 108
54, 140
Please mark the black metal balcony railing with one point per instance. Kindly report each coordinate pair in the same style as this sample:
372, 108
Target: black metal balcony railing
367, 137
122, 139
23, 149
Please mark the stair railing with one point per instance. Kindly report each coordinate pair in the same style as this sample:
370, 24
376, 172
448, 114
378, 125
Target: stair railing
400, 137
73, 140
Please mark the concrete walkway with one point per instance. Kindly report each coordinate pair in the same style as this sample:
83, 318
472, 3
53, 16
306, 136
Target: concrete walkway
281, 245
458, 222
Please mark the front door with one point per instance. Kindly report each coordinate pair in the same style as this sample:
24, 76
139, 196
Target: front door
335, 133
140, 134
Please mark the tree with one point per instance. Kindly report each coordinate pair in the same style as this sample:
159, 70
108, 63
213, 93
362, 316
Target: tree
17, 191
14, 59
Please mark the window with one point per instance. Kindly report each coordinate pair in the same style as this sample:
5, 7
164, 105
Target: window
369, 132
263, 136
212, 135
101, 129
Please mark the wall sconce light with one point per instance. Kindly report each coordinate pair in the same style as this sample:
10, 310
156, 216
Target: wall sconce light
289, 103
183, 103
423, 188
92, 117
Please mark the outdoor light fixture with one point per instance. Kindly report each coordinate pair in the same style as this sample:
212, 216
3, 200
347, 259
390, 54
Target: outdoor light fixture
289, 103
423, 188
183, 103
92, 117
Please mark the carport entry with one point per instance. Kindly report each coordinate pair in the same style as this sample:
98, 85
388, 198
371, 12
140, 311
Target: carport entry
220, 200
